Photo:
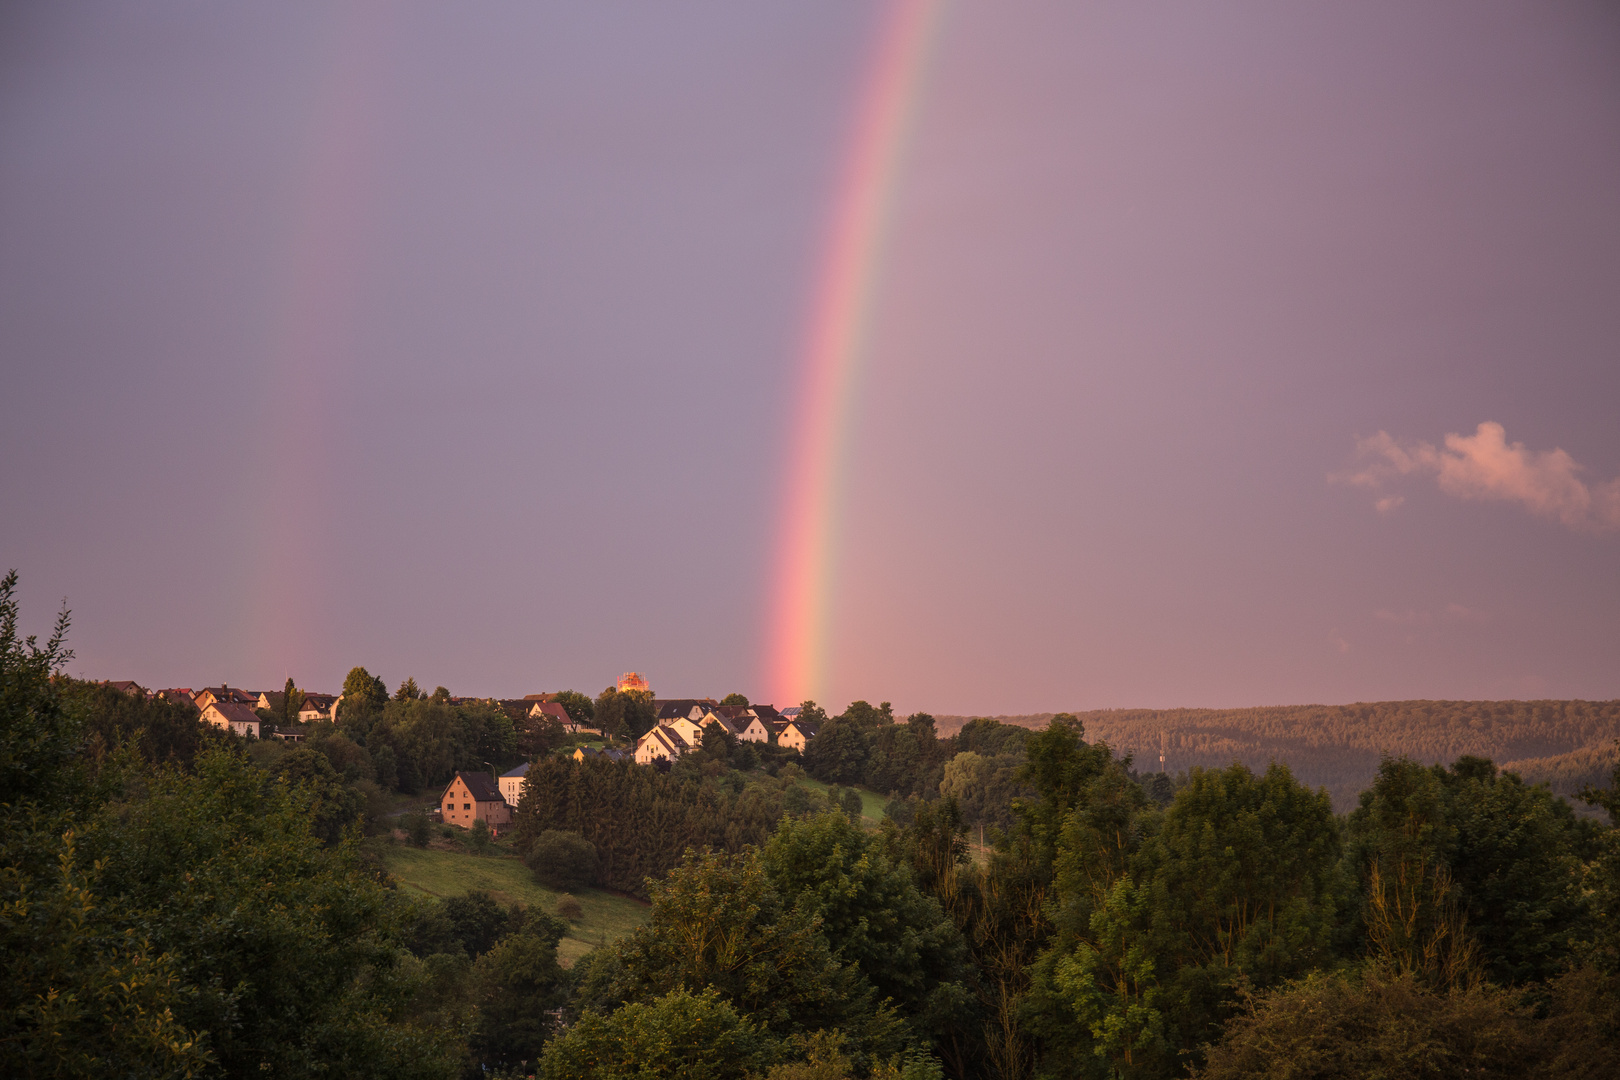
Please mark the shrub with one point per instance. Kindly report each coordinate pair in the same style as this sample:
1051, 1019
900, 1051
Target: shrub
563, 860
568, 908
478, 838
418, 828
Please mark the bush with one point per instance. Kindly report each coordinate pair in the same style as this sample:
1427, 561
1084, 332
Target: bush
568, 908
478, 838
563, 860
417, 827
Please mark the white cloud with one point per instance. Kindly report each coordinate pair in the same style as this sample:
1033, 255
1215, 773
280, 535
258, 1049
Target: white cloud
1486, 466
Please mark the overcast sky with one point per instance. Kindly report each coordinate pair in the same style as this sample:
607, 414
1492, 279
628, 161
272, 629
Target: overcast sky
460, 342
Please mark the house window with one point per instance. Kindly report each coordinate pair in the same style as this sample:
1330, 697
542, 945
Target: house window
466, 806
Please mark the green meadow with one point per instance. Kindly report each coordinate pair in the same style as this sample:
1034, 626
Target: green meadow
440, 871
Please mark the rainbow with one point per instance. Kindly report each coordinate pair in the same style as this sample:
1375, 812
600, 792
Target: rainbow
797, 635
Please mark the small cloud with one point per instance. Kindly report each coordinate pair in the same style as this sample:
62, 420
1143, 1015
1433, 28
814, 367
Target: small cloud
1338, 641
1460, 613
1486, 466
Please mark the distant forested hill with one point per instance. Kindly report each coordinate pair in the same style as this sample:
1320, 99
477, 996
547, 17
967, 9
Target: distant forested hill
1567, 744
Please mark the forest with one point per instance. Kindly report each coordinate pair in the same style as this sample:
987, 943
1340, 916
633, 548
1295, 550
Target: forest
176, 902
1568, 745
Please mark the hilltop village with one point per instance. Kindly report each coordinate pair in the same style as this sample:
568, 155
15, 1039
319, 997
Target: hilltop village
678, 726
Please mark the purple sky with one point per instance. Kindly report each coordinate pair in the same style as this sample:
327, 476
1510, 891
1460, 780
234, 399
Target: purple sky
459, 343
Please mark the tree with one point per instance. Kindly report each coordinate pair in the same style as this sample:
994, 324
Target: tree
364, 695
409, 691
292, 702
82, 994
695, 1036
288, 948
578, 706
519, 983
1354, 1026
475, 921
873, 916
562, 860
737, 700
334, 807
717, 922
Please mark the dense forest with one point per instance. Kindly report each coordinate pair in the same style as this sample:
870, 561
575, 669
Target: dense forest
178, 902
1566, 744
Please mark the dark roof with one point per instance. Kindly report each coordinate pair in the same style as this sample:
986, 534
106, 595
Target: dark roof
125, 686
236, 712
613, 754
482, 786
806, 728
767, 713
320, 701
230, 693
675, 708
521, 770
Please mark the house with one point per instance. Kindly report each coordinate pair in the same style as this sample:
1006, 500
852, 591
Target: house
474, 796
125, 686
675, 708
233, 716
630, 681
551, 710
662, 743
317, 707
761, 724
314, 706
208, 695
795, 733
690, 730
511, 784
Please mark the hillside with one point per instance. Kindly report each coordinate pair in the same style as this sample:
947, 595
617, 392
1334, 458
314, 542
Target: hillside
1566, 744
443, 870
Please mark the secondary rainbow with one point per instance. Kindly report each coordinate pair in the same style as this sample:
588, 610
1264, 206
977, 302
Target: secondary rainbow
796, 659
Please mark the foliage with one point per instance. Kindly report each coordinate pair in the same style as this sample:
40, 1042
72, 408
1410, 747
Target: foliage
578, 706
518, 983
562, 860
1566, 743
872, 915
737, 700
1467, 868
161, 731
681, 1034
638, 818
287, 946
718, 922
625, 713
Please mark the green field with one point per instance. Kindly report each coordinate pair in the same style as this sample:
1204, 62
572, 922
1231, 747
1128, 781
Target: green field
440, 872
872, 804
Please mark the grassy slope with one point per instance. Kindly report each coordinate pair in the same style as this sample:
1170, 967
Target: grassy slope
872, 804
442, 871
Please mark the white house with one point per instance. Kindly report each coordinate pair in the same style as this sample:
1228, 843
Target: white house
662, 743
795, 733
233, 716
757, 730
511, 784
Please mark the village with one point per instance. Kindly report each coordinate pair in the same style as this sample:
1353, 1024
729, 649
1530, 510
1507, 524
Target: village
473, 796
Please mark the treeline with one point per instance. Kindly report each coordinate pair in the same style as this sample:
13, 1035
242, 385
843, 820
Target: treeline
1339, 747
638, 820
